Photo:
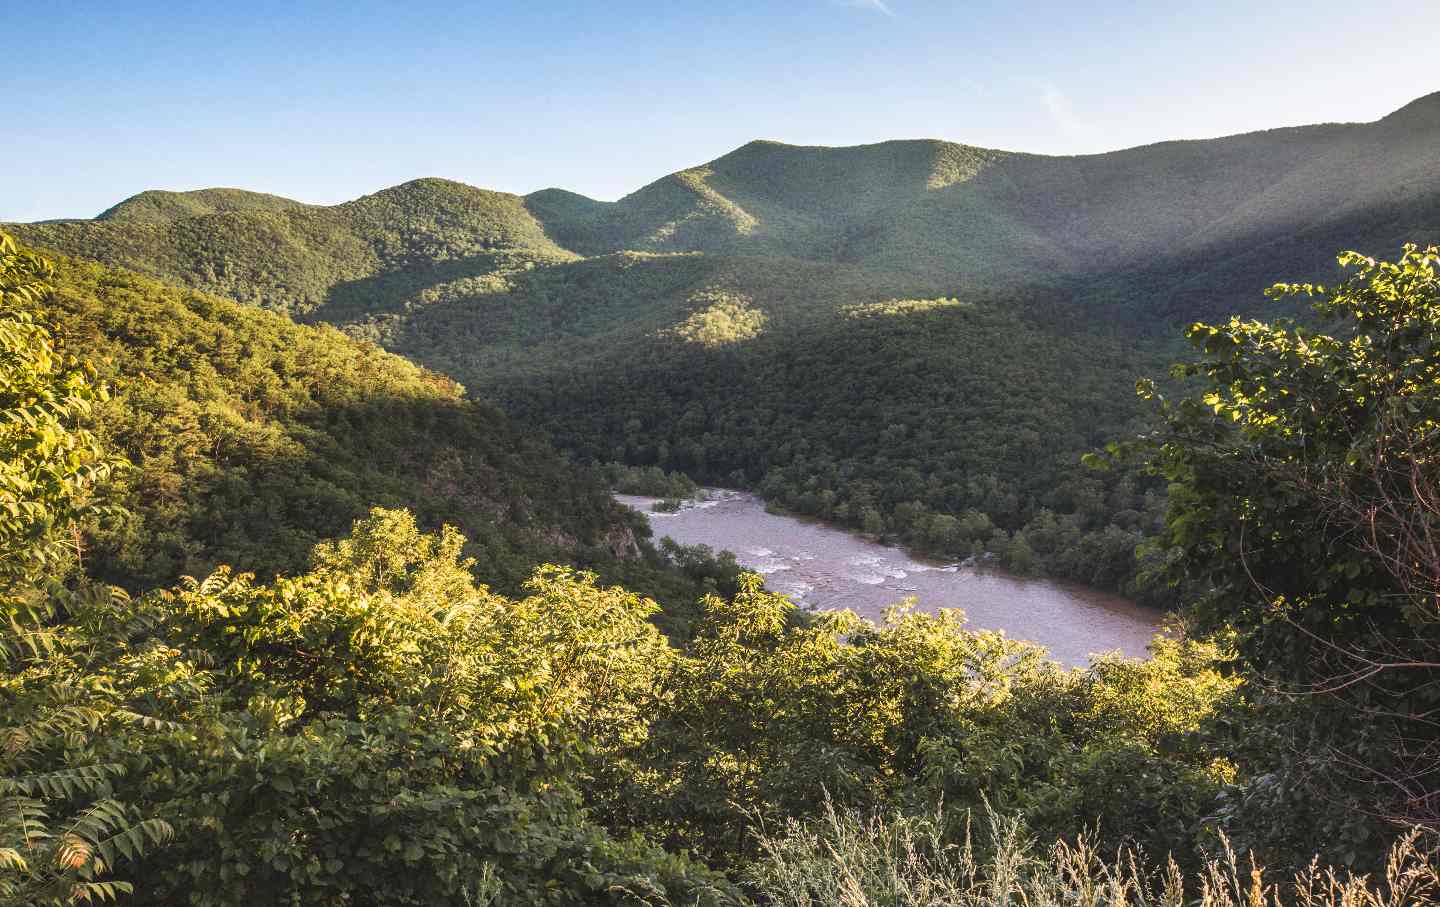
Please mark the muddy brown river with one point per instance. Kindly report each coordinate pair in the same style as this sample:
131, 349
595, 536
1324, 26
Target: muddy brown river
822, 567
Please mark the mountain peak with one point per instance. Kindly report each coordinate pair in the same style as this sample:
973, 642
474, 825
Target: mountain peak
558, 194
425, 186
430, 195
771, 145
162, 205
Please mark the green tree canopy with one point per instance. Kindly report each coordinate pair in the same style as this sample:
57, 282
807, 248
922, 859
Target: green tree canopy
1305, 466
61, 829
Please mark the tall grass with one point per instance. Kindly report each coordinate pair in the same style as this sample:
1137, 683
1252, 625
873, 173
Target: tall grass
849, 860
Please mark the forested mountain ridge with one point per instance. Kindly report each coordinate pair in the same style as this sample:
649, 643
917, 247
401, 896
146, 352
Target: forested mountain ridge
960, 217
298, 259
159, 206
917, 338
943, 209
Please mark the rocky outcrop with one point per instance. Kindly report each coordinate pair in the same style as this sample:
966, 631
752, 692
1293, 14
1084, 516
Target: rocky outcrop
620, 539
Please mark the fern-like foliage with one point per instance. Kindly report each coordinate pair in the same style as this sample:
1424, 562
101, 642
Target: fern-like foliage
61, 829
61, 833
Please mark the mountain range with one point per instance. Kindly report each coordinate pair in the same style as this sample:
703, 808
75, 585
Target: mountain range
955, 215
912, 337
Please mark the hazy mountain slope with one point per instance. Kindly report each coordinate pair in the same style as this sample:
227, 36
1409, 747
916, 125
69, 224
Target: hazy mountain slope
1201, 227
980, 218
1371, 188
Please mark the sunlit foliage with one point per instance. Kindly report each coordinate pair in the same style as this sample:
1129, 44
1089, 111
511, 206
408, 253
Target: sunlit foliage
1304, 470
62, 831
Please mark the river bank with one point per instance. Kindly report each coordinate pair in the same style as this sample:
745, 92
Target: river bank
822, 567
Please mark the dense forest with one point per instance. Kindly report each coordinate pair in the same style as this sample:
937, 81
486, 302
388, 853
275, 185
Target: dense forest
942, 424
286, 618
914, 339
380, 726
252, 439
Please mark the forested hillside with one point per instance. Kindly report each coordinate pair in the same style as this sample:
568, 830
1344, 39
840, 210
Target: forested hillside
253, 438
328, 263
158, 206
916, 338
381, 727
949, 424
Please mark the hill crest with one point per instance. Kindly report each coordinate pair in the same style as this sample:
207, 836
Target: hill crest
954, 217
162, 205
158, 205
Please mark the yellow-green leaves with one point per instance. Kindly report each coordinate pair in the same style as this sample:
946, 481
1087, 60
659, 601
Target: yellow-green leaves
50, 466
727, 318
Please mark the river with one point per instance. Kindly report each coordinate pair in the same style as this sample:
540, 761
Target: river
819, 566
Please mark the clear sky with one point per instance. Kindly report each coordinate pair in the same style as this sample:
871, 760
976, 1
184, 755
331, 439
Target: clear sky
324, 102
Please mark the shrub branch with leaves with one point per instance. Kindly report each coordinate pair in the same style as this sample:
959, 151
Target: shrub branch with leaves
61, 830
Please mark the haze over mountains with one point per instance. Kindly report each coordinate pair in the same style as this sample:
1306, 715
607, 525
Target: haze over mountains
880, 335
977, 217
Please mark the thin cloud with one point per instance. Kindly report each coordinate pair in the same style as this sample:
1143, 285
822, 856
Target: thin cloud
1062, 114
1059, 106
874, 6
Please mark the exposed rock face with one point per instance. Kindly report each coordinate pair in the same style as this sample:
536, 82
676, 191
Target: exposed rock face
560, 539
620, 539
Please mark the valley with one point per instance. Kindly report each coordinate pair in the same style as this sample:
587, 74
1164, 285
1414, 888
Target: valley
817, 566
917, 339
331, 571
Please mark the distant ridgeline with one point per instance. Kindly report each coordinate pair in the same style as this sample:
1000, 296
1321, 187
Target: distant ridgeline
914, 338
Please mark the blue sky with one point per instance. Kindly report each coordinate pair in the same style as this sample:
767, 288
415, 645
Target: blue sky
324, 102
